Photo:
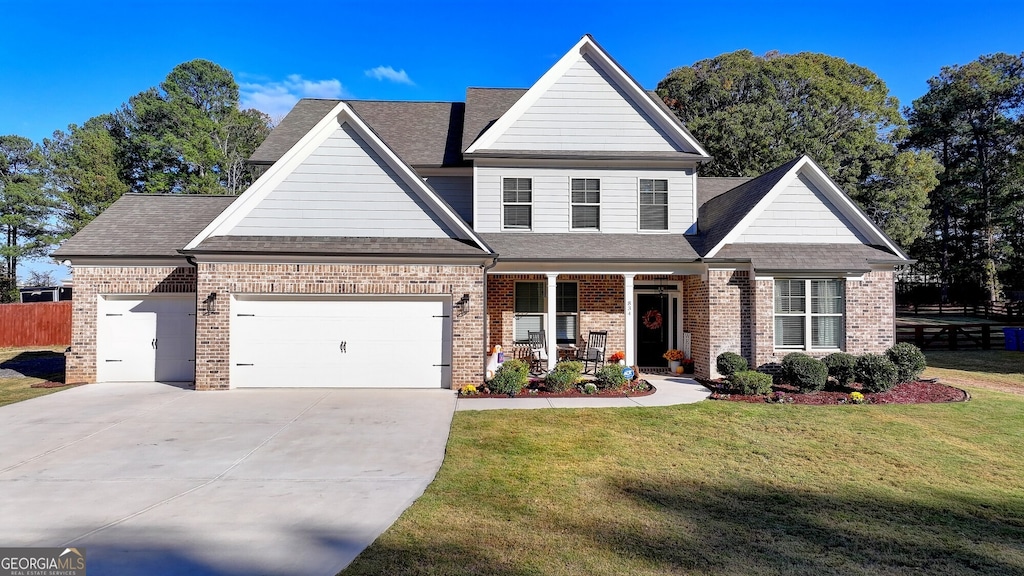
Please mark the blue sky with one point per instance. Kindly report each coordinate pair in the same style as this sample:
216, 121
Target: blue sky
62, 62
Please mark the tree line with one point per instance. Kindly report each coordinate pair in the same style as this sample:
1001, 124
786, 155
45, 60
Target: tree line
944, 177
185, 136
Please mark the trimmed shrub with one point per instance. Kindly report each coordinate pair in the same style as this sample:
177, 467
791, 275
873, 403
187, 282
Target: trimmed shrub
841, 366
751, 382
564, 376
729, 363
590, 388
876, 372
806, 373
510, 378
909, 361
610, 376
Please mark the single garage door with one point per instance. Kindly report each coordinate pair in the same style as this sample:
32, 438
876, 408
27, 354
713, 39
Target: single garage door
146, 338
285, 341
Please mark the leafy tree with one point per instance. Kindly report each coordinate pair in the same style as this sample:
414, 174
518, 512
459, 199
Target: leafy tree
24, 207
188, 135
84, 172
754, 113
971, 119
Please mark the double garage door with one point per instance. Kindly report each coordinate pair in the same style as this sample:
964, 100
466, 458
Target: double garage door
384, 342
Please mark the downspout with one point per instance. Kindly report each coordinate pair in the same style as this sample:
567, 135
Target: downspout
494, 262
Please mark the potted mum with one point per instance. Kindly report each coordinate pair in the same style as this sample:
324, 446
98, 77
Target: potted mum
618, 358
674, 358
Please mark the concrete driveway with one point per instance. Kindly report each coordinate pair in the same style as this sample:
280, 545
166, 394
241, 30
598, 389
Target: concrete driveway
154, 479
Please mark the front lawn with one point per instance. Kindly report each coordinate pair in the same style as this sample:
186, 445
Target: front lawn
16, 389
993, 369
722, 488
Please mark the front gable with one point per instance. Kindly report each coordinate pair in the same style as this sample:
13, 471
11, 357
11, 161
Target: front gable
586, 102
340, 180
796, 203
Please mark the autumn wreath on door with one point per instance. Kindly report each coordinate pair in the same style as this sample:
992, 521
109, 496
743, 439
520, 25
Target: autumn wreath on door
652, 319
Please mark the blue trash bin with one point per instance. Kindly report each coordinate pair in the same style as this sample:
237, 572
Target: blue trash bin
1011, 337
1020, 339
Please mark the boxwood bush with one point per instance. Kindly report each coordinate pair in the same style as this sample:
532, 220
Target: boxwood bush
510, 378
909, 361
841, 367
610, 376
751, 382
806, 373
876, 373
729, 363
564, 376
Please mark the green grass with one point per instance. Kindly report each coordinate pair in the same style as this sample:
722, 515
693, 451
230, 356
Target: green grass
722, 488
18, 389
993, 369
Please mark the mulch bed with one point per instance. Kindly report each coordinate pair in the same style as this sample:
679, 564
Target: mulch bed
51, 385
536, 390
920, 392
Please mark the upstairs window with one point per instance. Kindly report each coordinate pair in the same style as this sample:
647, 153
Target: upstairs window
517, 203
819, 321
653, 204
586, 203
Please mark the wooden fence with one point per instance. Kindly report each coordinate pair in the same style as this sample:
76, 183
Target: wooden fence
1008, 311
952, 336
36, 324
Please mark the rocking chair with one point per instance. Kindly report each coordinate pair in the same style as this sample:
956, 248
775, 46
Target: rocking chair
538, 352
594, 352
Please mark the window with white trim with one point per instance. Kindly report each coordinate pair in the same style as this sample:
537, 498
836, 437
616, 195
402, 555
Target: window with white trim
809, 314
531, 311
586, 203
653, 204
517, 203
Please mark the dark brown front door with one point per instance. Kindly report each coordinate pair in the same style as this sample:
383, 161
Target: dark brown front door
652, 324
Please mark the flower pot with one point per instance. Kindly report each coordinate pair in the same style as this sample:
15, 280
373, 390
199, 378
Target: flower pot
672, 365
622, 362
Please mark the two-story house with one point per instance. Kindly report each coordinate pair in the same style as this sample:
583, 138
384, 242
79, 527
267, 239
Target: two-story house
414, 236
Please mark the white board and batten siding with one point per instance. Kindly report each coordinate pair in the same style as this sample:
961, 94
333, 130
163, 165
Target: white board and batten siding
340, 342
551, 206
343, 188
802, 214
584, 110
457, 191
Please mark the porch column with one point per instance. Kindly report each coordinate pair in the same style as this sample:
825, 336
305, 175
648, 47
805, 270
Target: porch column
549, 330
627, 294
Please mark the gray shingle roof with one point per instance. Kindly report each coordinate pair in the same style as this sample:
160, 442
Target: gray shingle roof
813, 257
581, 247
709, 187
483, 107
421, 133
336, 246
145, 225
720, 214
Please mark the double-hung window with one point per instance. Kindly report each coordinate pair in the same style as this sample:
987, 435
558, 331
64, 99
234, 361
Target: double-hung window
531, 310
517, 203
809, 314
653, 204
586, 203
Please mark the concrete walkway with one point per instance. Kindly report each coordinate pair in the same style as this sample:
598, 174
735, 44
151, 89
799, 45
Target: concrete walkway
671, 390
154, 479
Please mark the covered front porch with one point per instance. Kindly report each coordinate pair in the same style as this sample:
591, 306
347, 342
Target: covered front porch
644, 314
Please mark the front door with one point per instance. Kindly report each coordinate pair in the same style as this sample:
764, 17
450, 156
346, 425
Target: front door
652, 329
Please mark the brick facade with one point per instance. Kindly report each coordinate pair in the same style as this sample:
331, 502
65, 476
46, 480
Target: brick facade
212, 331
93, 281
600, 301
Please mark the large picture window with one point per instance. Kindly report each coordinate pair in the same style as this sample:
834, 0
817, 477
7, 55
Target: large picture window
531, 310
653, 204
517, 203
809, 314
586, 203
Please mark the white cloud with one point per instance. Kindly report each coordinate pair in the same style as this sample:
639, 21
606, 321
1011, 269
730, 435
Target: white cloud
389, 73
277, 98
